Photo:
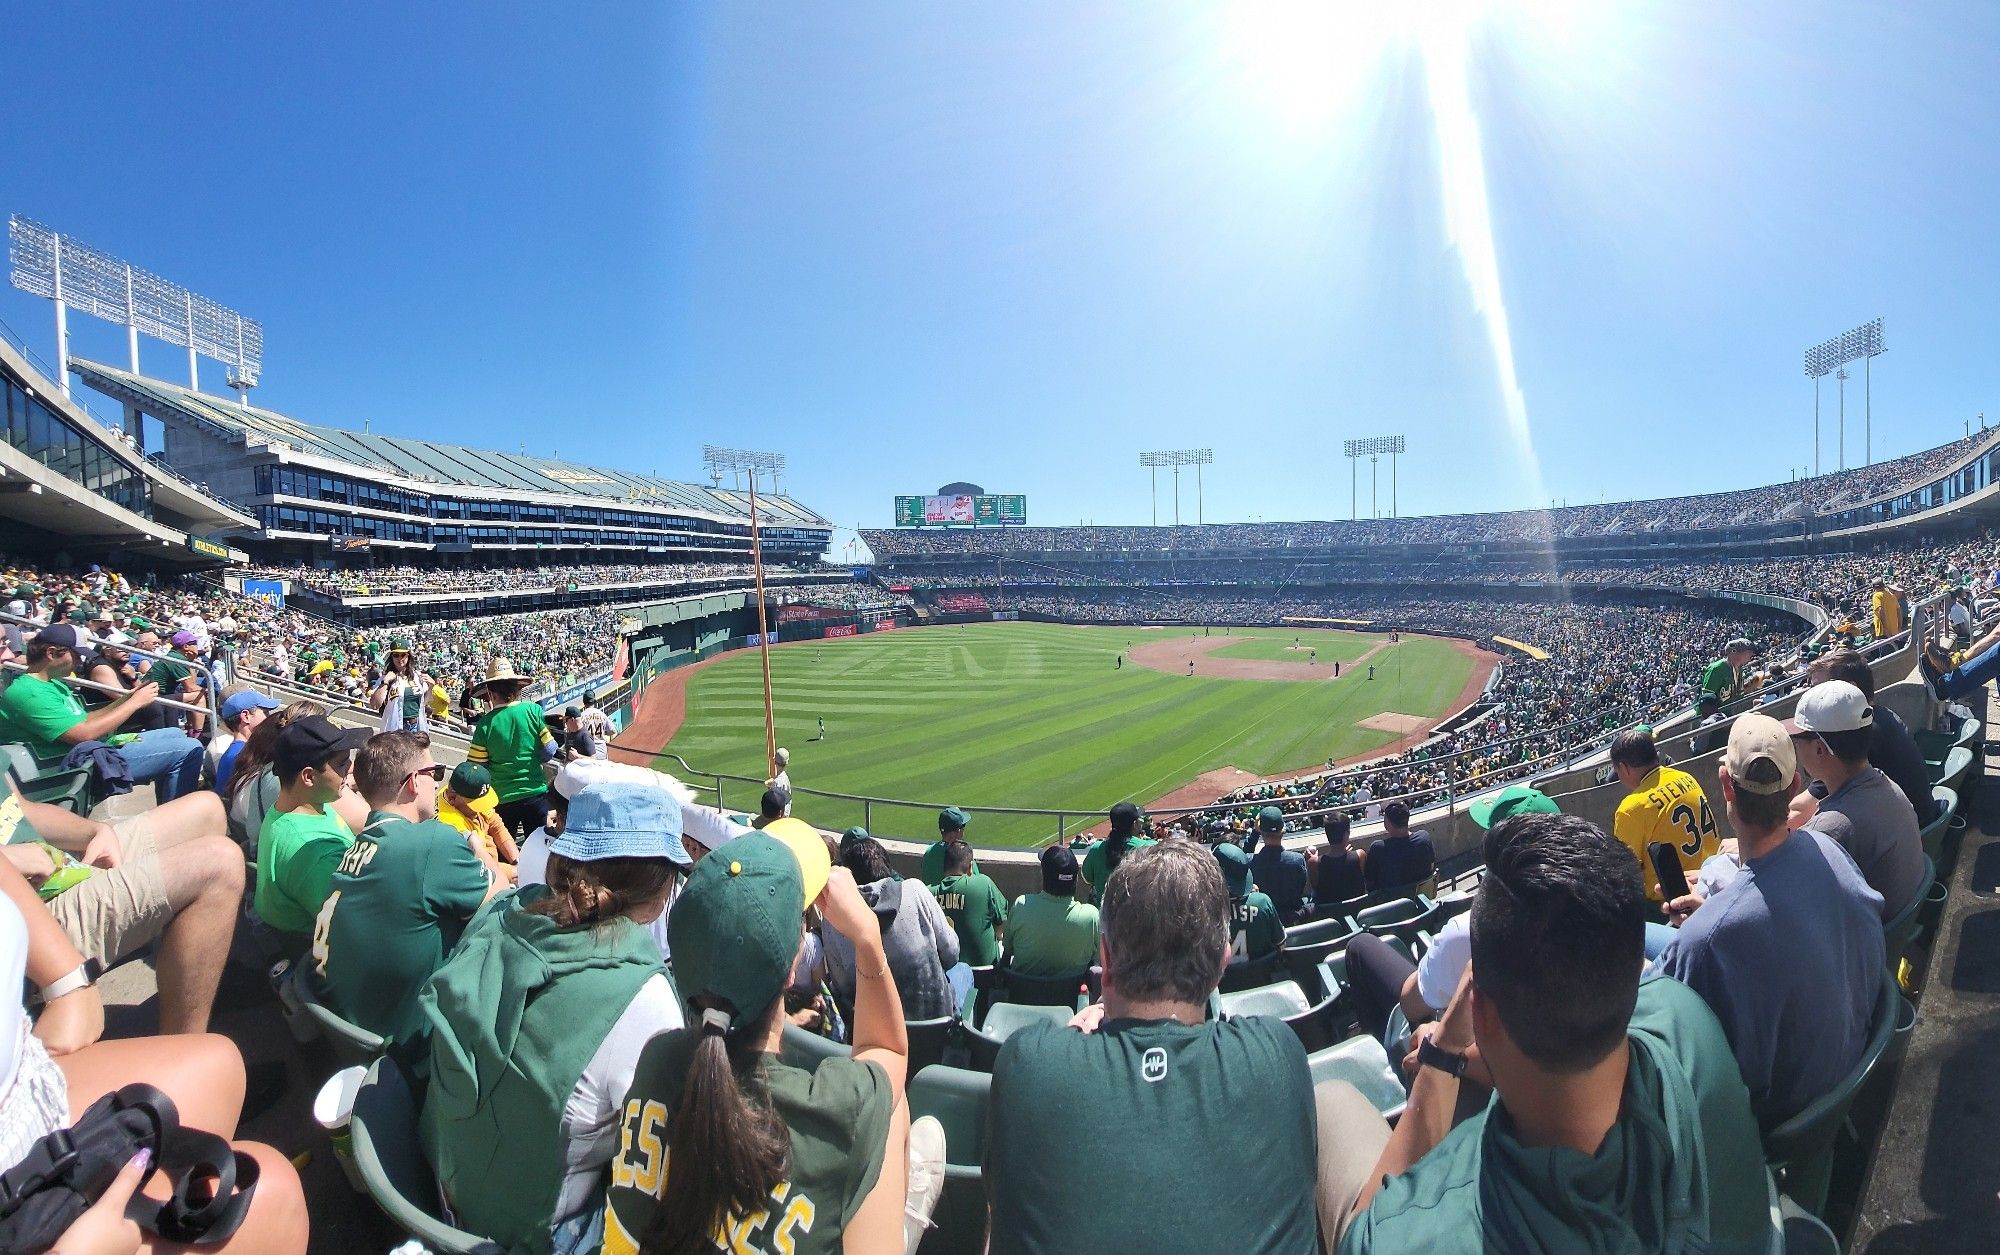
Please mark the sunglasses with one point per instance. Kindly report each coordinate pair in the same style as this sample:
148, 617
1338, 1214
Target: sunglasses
435, 771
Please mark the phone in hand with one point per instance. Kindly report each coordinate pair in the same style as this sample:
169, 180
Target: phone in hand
1667, 866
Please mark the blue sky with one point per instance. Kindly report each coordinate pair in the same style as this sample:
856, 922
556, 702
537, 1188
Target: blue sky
1016, 244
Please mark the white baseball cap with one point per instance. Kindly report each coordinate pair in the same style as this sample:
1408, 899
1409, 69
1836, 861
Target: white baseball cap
1835, 706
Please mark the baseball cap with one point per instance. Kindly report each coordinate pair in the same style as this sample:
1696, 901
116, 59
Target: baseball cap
1760, 757
852, 835
735, 929
951, 818
183, 638
1739, 644
96, 614
1235, 867
60, 635
472, 781
783, 755
572, 712
1058, 869
1517, 799
808, 847
312, 740
1124, 816
1835, 706
249, 699
621, 819
1271, 819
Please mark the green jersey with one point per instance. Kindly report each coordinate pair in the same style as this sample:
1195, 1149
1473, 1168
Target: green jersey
509, 743
838, 1116
168, 673
1097, 866
1681, 1170
296, 854
1051, 935
1722, 679
397, 902
973, 904
1210, 1126
36, 712
1254, 927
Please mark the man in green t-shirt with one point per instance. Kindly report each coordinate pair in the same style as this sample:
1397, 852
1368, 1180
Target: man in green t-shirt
1144, 1125
1724, 676
38, 709
973, 904
951, 827
400, 896
1127, 834
302, 839
1254, 927
177, 679
512, 741
1621, 1121
1050, 933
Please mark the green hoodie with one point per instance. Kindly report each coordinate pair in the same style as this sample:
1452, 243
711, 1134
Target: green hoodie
1681, 1170
515, 1014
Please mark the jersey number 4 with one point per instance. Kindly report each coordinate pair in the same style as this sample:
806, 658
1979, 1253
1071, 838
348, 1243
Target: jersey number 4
322, 929
1699, 827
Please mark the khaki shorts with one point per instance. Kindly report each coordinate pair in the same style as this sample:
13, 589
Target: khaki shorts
117, 911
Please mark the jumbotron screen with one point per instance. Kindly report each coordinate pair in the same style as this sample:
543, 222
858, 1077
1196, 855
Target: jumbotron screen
962, 511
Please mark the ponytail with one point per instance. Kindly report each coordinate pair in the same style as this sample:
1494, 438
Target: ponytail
583, 894
1116, 847
726, 1152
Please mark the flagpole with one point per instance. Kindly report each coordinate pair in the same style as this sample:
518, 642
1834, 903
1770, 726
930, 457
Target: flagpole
763, 631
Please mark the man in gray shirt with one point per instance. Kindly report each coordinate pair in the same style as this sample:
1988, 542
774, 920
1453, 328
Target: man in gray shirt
1789, 955
1863, 809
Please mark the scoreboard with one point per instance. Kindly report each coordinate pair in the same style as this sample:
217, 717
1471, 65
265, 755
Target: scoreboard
986, 510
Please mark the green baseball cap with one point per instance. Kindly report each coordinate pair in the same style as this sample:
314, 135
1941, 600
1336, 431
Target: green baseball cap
1271, 819
735, 929
401, 645
951, 818
1517, 799
1235, 863
471, 781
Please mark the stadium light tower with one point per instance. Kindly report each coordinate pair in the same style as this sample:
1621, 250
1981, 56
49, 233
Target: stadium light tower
58, 268
1177, 458
748, 462
1863, 344
1372, 448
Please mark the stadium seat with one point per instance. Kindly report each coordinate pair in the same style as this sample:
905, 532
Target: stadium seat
1046, 991
390, 1159
68, 787
1401, 917
1330, 929
805, 1050
1800, 1150
1900, 929
1281, 998
1250, 973
1954, 768
352, 1045
928, 1039
1362, 1063
1934, 832
1315, 1026
1003, 1020
1303, 961
957, 1098
985, 979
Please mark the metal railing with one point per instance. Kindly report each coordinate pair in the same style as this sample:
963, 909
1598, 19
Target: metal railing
209, 708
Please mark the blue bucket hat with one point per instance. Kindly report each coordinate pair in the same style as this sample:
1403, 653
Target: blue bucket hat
622, 819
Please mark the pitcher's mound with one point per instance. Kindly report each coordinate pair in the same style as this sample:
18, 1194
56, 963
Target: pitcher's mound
1390, 721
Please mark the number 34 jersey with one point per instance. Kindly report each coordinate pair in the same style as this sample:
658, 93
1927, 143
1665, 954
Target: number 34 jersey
1668, 806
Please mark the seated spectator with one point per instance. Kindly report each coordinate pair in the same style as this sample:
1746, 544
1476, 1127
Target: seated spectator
1156, 1102
303, 838
468, 803
1254, 927
536, 1022
178, 679
1620, 1122
1789, 954
972, 902
1662, 805
775, 804
253, 785
1399, 858
53, 1069
1127, 835
1337, 873
1950, 675
736, 1125
1279, 872
169, 875
38, 709
1891, 748
920, 942
400, 896
1862, 809
1050, 933
241, 712
951, 827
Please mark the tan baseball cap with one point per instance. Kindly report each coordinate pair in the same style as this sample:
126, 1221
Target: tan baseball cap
1760, 757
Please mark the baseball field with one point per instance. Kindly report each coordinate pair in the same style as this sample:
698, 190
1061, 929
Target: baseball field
1055, 716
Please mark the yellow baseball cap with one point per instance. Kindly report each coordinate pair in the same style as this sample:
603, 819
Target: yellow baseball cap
806, 845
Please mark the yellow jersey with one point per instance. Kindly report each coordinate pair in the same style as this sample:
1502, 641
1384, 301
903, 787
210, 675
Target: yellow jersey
1888, 613
1667, 806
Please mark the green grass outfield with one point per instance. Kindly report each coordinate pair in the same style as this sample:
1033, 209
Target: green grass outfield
1036, 715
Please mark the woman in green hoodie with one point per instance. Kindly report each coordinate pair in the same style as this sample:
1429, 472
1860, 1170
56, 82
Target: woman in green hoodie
537, 1021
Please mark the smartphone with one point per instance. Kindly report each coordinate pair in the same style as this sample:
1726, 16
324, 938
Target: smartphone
1667, 866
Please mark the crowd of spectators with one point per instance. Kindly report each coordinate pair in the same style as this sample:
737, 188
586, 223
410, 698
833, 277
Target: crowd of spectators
393, 579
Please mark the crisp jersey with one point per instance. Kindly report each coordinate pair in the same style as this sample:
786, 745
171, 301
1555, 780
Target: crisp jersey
509, 742
1668, 806
1254, 927
838, 1116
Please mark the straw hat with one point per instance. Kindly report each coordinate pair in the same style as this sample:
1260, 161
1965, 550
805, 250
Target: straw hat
497, 671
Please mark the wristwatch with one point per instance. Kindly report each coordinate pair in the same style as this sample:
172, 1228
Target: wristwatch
1450, 1062
82, 975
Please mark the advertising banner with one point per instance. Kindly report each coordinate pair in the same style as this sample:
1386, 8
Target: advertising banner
797, 614
885, 625
843, 629
270, 592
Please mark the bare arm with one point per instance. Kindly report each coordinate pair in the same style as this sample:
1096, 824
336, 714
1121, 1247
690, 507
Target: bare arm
102, 723
76, 1019
1433, 1100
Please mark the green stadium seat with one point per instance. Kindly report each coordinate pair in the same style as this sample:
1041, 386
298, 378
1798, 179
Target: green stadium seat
957, 1097
390, 1158
1052, 991
1954, 767
1934, 832
1800, 1151
1400, 917
1315, 1026
1900, 929
928, 1040
1281, 998
1329, 929
1362, 1063
1250, 973
805, 1050
68, 787
1303, 960
1004, 1019
352, 1045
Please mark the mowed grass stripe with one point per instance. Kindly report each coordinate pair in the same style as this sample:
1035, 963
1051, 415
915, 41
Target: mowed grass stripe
1020, 714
